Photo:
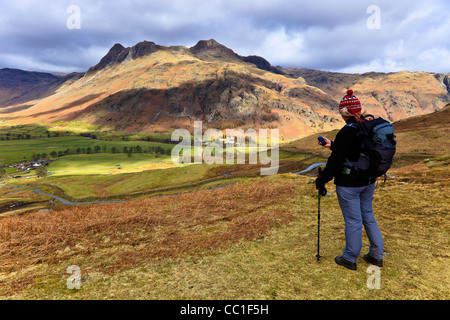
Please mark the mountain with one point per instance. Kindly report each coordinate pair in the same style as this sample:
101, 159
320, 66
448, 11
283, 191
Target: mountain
154, 88
19, 86
394, 96
211, 49
208, 50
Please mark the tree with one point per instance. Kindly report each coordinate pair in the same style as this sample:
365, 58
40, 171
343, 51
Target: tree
159, 150
41, 171
2, 173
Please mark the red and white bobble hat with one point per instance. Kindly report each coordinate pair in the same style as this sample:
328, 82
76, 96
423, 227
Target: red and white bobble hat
350, 105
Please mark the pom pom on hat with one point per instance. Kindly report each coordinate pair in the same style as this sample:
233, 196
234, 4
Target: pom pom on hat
350, 105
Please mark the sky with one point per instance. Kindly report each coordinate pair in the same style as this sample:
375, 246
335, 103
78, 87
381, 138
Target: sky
343, 36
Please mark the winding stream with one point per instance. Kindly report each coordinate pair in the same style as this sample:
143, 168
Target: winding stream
311, 167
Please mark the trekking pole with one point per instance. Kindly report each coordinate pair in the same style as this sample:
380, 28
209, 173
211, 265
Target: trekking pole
318, 222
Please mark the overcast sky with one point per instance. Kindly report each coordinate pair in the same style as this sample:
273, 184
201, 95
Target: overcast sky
346, 36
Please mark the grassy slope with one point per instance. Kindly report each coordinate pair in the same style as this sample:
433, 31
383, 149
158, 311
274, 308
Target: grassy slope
420, 136
207, 244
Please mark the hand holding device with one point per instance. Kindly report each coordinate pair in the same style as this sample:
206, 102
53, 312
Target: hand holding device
322, 141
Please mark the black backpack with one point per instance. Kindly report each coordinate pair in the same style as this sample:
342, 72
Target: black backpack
378, 147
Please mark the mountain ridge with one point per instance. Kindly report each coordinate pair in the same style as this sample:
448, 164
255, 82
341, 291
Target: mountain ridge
204, 49
421, 92
154, 88
20, 86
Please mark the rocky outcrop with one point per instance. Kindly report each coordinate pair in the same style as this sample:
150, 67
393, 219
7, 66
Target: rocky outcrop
110, 57
204, 50
444, 79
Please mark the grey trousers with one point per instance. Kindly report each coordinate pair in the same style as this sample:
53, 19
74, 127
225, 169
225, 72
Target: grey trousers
356, 207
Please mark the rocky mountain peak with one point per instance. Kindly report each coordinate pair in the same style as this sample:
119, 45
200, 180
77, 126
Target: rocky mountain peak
119, 53
110, 57
213, 49
210, 44
144, 48
204, 50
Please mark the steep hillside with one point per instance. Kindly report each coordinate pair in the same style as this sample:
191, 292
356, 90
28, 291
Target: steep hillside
422, 136
18, 86
393, 96
425, 135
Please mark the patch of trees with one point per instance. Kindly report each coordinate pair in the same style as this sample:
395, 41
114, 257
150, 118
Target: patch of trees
129, 150
14, 136
23, 136
88, 135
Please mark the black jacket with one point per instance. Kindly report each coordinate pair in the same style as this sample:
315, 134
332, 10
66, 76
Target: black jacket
346, 145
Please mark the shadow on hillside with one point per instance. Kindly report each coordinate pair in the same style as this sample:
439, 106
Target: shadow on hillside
70, 105
29, 86
228, 101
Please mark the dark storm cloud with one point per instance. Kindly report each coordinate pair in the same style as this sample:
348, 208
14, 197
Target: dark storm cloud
320, 34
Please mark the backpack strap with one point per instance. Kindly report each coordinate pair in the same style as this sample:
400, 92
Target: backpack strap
348, 165
363, 130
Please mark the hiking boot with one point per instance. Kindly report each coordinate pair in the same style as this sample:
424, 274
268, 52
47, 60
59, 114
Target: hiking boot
372, 260
342, 262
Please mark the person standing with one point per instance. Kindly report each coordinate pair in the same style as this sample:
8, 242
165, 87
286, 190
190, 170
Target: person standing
354, 192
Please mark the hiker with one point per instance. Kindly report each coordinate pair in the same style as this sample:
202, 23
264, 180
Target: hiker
355, 193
